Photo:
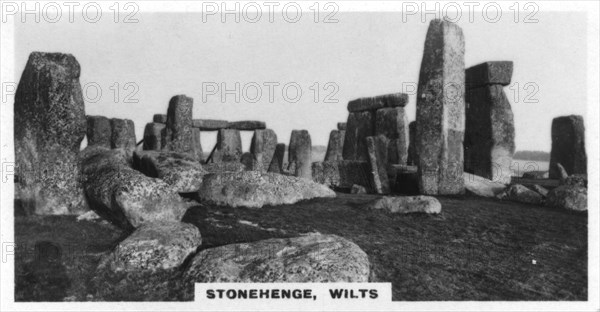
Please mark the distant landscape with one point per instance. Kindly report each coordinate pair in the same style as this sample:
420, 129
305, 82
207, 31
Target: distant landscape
532, 155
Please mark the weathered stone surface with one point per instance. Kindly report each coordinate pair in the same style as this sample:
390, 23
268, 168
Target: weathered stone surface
489, 73
377, 102
98, 131
489, 134
562, 174
250, 162
441, 110
224, 167
197, 144
568, 145
178, 135
408, 204
481, 186
154, 246
229, 146
276, 165
358, 189
312, 258
341, 126
254, 189
122, 134
210, 124
360, 125
182, 171
569, 197
335, 147
535, 175
576, 180
392, 123
412, 157
247, 125
160, 118
49, 125
299, 154
522, 194
125, 196
153, 136
539, 189
263, 146
378, 159
343, 174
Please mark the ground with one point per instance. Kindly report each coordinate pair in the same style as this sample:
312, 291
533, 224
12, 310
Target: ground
476, 249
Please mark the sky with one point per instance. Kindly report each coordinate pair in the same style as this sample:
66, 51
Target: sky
363, 54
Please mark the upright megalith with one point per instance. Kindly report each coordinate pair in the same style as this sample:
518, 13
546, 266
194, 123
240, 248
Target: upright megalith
568, 146
122, 134
335, 147
489, 130
393, 124
263, 146
229, 146
276, 165
441, 110
178, 135
412, 151
98, 131
299, 154
360, 125
197, 144
49, 125
152, 136
378, 159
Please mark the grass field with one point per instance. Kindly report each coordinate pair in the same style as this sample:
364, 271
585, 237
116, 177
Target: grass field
476, 249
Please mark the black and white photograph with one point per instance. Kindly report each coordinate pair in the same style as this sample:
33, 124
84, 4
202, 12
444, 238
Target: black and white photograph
299, 155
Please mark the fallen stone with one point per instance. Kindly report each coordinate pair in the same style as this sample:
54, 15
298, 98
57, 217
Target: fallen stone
49, 125
263, 146
341, 126
122, 134
160, 118
229, 146
576, 180
182, 171
481, 186
568, 145
521, 194
152, 136
178, 135
124, 196
254, 189
408, 204
299, 154
335, 147
154, 246
360, 125
539, 189
210, 124
412, 157
393, 124
378, 159
489, 134
247, 125
98, 131
276, 165
377, 102
568, 197
489, 73
343, 174
358, 189
441, 110
310, 258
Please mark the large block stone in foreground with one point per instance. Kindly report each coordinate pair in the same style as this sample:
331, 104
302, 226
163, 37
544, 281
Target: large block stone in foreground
441, 110
570, 197
182, 171
407, 204
229, 146
122, 134
178, 135
489, 134
299, 154
49, 125
377, 102
378, 158
343, 174
263, 146
98, 131
153, 136
307, 259
489, 73
335, 147
254, 189
393, 124
568, 146
360, 125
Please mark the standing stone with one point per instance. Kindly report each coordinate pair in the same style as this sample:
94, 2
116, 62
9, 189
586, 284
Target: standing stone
197, 143
98, 131
412, 151
392, 123
152, 136
49, 125
378, 158
178, 135
341, 126
263, 147
250, 162
123, 134
360, 125
441, 111
160, 118
299, 154
229, 146
568, 146
335, 147
276, 165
